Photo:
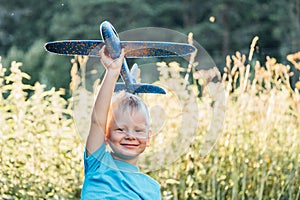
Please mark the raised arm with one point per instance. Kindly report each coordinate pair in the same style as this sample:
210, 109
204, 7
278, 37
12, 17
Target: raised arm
96, 135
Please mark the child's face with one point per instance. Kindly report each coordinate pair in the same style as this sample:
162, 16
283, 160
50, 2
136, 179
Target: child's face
128, 135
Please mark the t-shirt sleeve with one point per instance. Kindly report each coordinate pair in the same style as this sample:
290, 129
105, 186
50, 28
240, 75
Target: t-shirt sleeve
93, 161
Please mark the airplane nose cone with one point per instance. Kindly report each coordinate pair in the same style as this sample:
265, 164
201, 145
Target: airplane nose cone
111, 39
108, 31
104, 26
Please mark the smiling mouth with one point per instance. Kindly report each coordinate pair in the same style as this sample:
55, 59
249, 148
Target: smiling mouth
130, 145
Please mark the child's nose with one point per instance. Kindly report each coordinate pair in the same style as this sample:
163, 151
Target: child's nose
129, 135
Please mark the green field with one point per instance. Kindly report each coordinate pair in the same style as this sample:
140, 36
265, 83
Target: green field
257, 156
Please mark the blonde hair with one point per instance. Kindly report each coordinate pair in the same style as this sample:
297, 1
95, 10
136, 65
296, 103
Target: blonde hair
127, 102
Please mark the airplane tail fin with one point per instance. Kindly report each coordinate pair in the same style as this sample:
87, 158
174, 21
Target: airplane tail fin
140, 88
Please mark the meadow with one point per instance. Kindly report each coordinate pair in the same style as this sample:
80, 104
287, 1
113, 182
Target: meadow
257, 154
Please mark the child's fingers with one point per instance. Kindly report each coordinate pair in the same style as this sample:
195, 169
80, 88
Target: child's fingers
108, 62
101, 52
122, 55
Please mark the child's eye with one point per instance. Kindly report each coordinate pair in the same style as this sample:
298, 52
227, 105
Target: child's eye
120, 129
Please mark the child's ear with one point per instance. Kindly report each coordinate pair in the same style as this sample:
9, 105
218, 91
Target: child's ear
149, 137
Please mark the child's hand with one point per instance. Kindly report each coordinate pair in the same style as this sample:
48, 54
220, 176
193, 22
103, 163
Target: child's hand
111, 65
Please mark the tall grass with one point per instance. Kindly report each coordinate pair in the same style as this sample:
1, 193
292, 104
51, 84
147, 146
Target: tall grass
256, 157
40, 154
258, 154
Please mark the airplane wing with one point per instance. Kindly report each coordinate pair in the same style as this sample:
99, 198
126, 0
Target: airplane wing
145, 49
133, 49
75, 47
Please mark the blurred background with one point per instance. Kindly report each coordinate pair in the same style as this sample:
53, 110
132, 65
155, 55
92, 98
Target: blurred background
222, 27
254, 44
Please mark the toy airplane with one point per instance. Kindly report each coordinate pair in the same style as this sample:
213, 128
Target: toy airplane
133, 49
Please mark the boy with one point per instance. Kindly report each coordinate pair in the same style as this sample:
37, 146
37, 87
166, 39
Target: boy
123, 126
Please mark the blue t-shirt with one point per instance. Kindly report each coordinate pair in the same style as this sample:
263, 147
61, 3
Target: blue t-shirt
107, 178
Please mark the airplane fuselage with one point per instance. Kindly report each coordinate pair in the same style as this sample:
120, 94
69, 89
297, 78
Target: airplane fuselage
113, 46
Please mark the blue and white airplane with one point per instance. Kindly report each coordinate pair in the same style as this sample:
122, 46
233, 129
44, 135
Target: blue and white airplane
133, 49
